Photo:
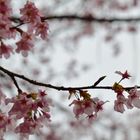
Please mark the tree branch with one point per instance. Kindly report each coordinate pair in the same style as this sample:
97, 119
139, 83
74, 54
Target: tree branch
12, 76
62, 88
85, 18
16, 84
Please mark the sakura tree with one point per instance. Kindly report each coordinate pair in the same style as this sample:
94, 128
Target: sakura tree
31, 87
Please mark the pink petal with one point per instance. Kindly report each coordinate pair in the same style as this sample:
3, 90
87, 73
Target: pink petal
136, 102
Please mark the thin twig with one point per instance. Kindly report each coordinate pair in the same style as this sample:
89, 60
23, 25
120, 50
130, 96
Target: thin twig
16, 84
62, 88
12, 76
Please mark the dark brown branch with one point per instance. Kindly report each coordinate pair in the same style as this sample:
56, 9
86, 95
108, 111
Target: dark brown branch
85, 18
90, 18
57, 87
16, 84
12, 76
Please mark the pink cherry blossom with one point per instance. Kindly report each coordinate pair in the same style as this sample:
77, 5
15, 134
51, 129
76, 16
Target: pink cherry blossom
134, 97
42, 30
21, 106
5, 50
32, 108
89, 107
30, 13
6, 30
25, 44
32, 16
29, 126
119, 103
98, 104
35, 27
78, 108
28, 103
5, 25
124, 75
5, 8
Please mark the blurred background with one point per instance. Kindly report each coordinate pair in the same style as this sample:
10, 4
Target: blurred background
87, 39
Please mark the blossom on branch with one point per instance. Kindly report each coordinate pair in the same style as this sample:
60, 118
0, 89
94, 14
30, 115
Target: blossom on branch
119, 103
6, 30
42, 30
89, 107
32, 108
30, 13
132, 100
25, 44
124, 75
32, 16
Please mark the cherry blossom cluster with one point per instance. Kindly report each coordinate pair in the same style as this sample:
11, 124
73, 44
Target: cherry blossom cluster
6, 30
87, 106
32, 110
132, 99
30, 16
29, 112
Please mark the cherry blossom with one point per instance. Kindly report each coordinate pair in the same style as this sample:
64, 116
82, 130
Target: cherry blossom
119, 103
124, 75
30, 13
25, 44
89, 107
30, 16
5, 50
98, 104
6, 30
42, 30
29, 126
5, 8
77, 109
132, 100
32, 108
134, 97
